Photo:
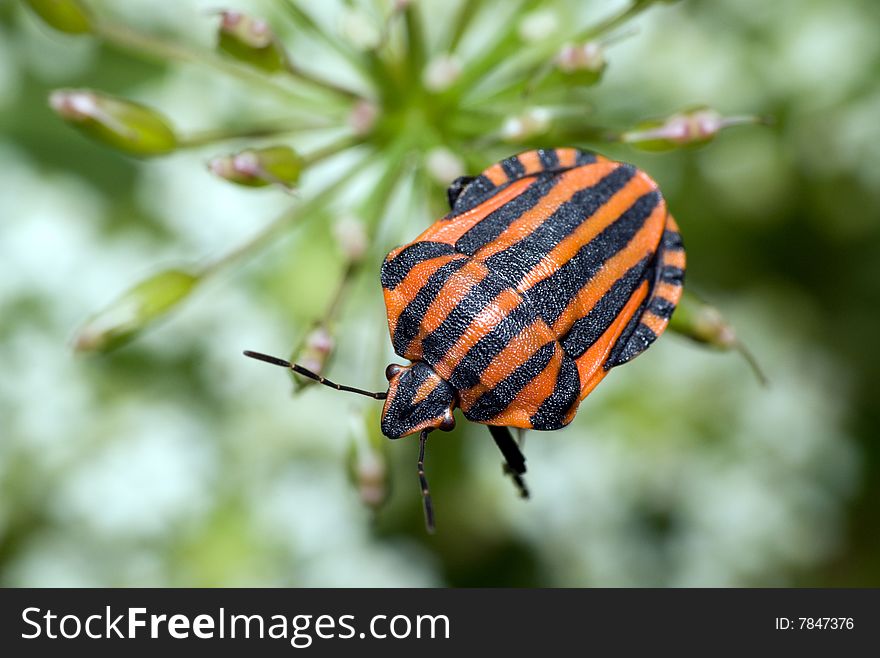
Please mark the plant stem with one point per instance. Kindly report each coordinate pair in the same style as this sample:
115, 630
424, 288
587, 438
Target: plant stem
147, 45
531, 59
280, 224
321, 83
466, 13
206, 137
415, 43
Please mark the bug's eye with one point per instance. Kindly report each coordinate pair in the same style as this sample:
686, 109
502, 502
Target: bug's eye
448, 422
392, 370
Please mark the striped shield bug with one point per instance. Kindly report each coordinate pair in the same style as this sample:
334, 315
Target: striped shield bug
552, 267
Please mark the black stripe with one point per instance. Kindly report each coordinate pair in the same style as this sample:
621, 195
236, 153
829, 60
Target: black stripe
410, 320
494, 224
630, 344
584, 158
551, 295
513, 168
471, 367
551, 413
454, 190
493, 402
588, 329
672, 240
673, 275
549, 159
395, 270
519, 259
440, 341
661, 307
475, 192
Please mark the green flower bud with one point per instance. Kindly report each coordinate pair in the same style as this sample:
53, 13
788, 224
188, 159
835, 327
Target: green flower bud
581, 64
688, 128
273, 165
64, 15
148, 301
117, 122
251, 41
704, 324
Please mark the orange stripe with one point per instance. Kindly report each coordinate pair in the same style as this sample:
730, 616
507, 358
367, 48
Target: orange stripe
567, 157
531, 162
496, 174
454, 289
674, 259
670, 291
429, 385
590, 362
588, 296
397, 299
654, 322
527, 403
568, 184
520, 348
449, 231
484, 322
598, 222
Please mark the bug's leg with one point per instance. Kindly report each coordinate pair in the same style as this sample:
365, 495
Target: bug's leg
423, 483
514, 461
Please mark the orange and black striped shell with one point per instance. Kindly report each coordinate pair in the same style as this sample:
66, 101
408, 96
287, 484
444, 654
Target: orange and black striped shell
553, 266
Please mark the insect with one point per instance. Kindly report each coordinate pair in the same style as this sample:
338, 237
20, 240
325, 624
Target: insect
552, 267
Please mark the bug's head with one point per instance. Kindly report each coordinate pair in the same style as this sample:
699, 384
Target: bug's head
418, 398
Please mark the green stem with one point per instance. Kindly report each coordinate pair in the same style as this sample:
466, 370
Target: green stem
304, 20
279, 225
466, 13
206, 137
507, 41
615, 20
415, 42
371, 210
537, 56
147, 45
332, 149
321, 83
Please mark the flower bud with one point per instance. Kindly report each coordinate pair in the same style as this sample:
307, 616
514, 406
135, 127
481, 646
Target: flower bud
251, 41
443, 165
704, 324
691, 127
363, 117
367, 462
441, 73
358, 29
64, 15
581, 64
148, 301
117, 122
532, 122
351, 236
272, 165
538, 25
313, 355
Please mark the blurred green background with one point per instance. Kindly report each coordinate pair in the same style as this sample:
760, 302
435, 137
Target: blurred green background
175, 461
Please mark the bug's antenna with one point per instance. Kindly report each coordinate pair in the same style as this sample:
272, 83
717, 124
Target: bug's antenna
298, 369
423, 483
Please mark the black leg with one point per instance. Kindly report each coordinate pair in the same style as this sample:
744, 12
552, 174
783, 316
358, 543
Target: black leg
515, 462
423, 483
